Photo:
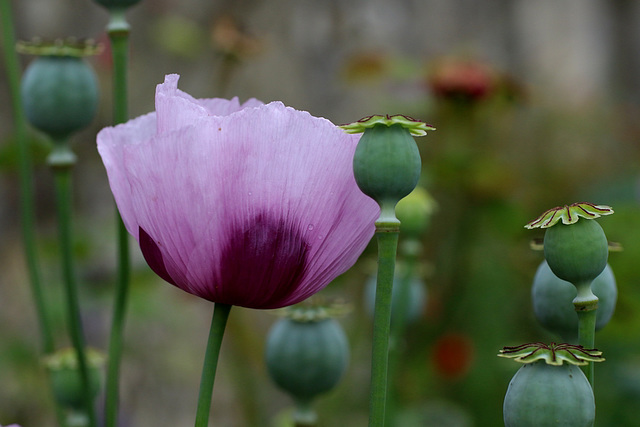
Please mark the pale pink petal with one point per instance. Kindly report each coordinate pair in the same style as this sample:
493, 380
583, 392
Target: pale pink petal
252, 205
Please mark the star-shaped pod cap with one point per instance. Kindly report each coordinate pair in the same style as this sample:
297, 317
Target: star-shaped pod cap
552, 354
569, 214
415, 127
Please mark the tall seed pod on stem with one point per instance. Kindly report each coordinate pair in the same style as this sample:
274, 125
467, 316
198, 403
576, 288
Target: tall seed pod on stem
577, 251
386, 166
60, 94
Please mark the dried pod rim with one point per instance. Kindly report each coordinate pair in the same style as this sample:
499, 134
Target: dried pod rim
553, 354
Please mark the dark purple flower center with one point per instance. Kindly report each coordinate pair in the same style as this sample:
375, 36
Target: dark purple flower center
262, 264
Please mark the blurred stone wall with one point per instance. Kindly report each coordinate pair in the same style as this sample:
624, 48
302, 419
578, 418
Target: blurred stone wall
297, 50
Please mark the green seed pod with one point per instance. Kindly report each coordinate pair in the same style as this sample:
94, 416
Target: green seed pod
578, 252
306, 357
542, 395
414, 212
550, 389
552, 300
66, 380
59, 90
387, 163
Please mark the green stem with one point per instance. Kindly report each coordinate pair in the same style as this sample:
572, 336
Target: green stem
586, 333
387, 232
304, 415
24, 166
218, 324
118, 30
61, 161
403, 294
27, 211
586, 304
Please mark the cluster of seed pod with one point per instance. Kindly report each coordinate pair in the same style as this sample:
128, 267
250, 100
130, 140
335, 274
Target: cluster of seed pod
574, 293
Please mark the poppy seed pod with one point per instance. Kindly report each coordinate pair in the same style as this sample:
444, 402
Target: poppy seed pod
59, 89
552, 301
576, 250
415, 211
546, 395
550, 389
386, 163
306, 357
66, 380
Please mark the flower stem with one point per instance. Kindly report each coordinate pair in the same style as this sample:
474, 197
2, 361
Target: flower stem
304, 415
61, 161
24, 166
387, 232
586, 304
118, 30
403, 295
586, 337
218, 324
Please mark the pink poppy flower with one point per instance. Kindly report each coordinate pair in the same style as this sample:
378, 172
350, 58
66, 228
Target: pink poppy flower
243, 204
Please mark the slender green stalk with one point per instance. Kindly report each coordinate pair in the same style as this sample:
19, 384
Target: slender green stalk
24, 165
27, 211
399, 324
116, 336
586, 304
586, 337
218, 324
387, 233
118, 30
304, 415
61, 161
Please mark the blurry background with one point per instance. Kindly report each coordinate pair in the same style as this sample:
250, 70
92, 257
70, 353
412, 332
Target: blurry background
536, 105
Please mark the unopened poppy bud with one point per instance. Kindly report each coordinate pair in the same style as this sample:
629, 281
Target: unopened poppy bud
59, 89
66, 380
387, 164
